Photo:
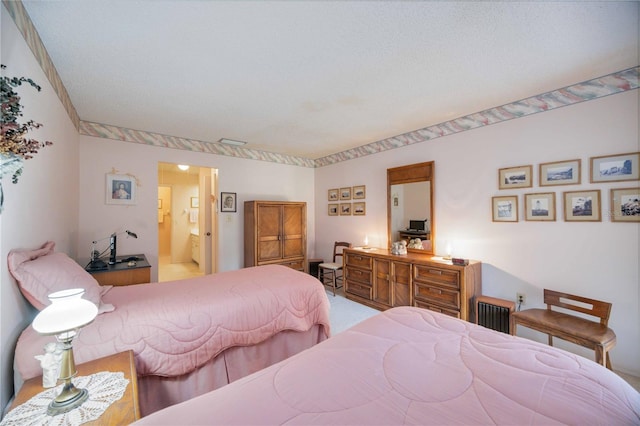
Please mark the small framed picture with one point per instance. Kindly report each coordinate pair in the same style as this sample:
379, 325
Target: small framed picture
228, 202
333, 194
582, 206
514, 177
159, 203
625, 205
359, 193
560, 173
505, 209
121, 189
540, 207
359, 209
345, 209
333, 209
195, 203
345, 193
615, 168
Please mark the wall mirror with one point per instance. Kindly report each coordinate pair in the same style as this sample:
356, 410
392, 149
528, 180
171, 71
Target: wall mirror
410, 206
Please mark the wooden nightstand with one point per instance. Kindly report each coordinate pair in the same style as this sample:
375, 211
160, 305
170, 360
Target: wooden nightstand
123, 274
123, 411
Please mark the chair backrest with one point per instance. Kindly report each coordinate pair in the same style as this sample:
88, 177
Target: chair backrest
596, 308
338, 246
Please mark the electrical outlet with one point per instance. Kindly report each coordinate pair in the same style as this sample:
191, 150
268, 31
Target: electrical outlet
521, 298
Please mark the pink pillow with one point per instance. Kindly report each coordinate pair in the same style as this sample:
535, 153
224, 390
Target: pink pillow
42, 271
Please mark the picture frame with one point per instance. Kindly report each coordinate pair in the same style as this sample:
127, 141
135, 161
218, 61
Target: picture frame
333, 194
195, 202
582, 206
505, 208
556, 173
359, 192
359, 209
515, 177
615, 168
345, 209
332, 209
625, 205
159, 203
120, 189
345, 193
540, 207
228, 202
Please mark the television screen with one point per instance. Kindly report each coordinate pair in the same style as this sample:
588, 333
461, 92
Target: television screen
417, 225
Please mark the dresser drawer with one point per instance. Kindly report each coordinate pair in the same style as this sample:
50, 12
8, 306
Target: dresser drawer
419, 304
438, 295
360, 261
358, 289
445, 277
357, 274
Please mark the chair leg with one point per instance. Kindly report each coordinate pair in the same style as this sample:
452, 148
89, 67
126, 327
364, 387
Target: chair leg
333, 275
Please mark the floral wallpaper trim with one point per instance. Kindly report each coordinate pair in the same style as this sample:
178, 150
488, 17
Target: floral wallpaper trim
30, 34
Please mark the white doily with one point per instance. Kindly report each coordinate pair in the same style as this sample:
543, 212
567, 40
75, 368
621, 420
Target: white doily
104, 389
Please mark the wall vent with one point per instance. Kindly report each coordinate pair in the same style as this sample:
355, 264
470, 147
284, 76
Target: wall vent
494, 313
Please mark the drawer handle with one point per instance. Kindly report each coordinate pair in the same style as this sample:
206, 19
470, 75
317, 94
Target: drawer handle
357, 257
433, 290
435, 272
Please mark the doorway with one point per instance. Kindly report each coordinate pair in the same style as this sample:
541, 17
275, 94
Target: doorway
186, 241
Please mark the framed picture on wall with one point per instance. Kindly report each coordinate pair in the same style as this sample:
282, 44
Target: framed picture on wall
345, 209
514, 177
625, 205
332, 194
560, 173
121, 189
615, 168
505, 209
228, 202
582, 206
333, 209
540, 207
195, 203
345, 193
359, 192
359, 209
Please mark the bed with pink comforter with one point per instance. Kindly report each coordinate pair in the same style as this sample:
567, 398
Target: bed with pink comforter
193, 335
413, 366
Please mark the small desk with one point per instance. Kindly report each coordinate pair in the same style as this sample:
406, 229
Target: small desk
124, 411
122, 274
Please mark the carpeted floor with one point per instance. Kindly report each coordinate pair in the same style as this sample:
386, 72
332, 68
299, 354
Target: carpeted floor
345, 313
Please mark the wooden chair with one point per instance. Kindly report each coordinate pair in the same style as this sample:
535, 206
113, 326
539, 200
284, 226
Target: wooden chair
331, 269
581, 331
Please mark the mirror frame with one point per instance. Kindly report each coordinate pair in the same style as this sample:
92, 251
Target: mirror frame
419, 172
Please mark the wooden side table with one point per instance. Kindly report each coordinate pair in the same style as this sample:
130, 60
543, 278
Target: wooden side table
126, 410
123, 274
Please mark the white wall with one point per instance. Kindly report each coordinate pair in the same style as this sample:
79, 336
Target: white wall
251, 180
44, 204
597, 260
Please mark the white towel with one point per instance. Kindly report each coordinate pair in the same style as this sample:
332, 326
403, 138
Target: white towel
193, 216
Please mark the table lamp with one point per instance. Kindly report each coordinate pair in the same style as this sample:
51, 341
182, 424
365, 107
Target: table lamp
64, 317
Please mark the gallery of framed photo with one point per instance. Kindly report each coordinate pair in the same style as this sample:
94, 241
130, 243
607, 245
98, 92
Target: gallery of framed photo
560, 173
333, 209
615, 168
514, 177
195, 203
540, 206
228, 202
505, 209
333, 194
625, 205
345, 193
359, 192
359, 209
121, 189
345, 209
582, 206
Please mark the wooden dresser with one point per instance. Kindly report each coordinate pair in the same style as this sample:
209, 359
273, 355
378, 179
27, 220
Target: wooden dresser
275, 232
381, 280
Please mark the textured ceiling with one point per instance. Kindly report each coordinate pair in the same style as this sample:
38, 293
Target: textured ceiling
311, 78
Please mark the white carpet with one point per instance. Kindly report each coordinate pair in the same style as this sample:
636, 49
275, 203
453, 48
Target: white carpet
346, 313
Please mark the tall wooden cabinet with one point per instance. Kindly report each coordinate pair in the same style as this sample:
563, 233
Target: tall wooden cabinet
381, 280
275, 232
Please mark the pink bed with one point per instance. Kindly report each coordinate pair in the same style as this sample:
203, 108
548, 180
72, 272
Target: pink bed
413, 366
189, 336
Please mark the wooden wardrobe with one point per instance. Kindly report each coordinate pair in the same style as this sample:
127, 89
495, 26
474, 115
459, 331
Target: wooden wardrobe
275, 232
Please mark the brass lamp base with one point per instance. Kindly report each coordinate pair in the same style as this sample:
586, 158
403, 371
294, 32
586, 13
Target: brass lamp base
64, 406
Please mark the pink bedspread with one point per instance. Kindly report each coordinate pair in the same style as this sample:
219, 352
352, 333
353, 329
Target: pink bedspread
176, 327
413, 366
